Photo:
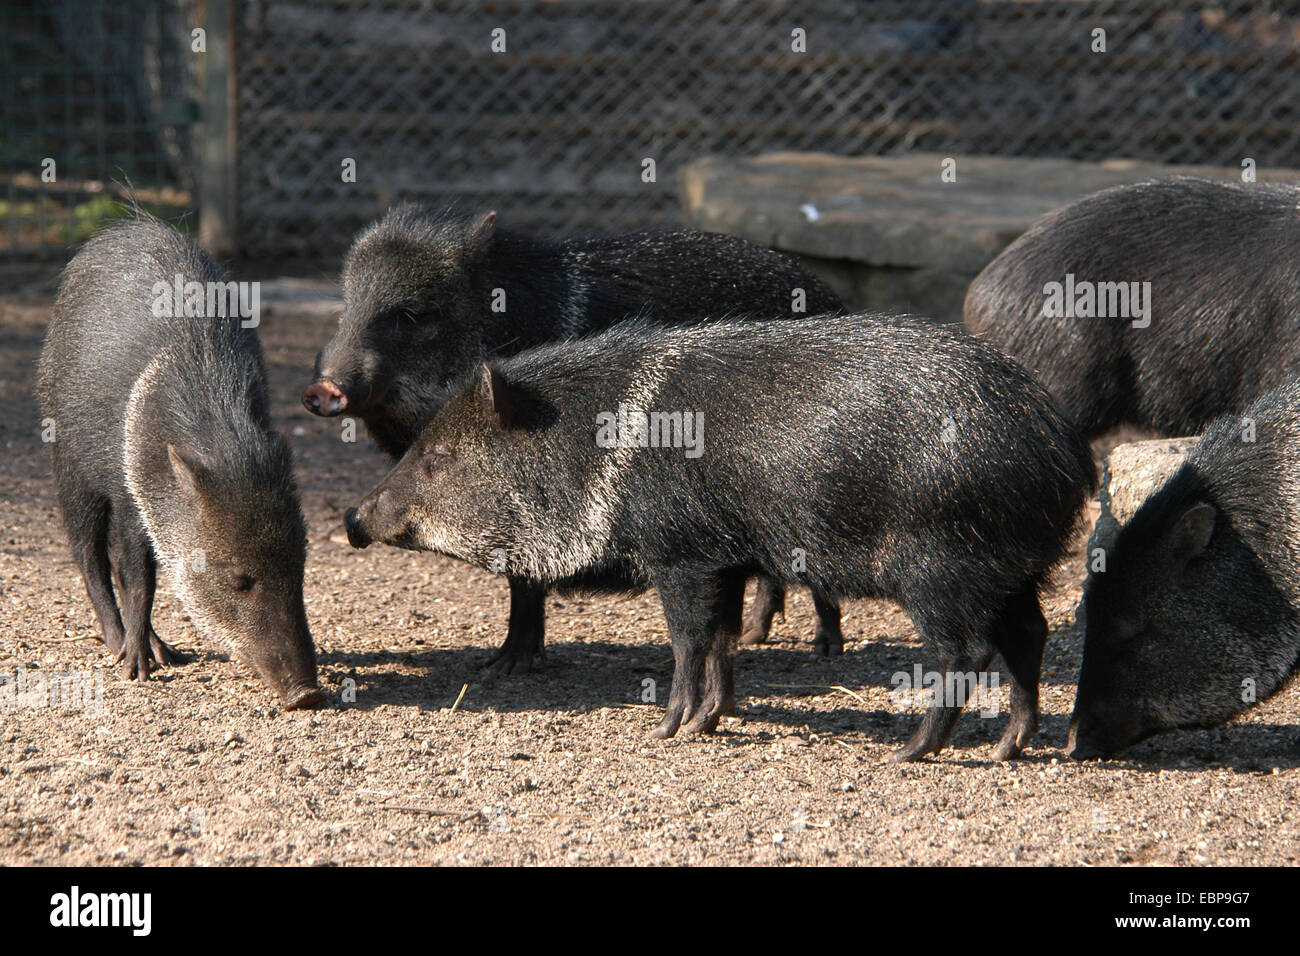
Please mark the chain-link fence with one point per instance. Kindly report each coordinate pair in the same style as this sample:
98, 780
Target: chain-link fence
550, 110
96, 98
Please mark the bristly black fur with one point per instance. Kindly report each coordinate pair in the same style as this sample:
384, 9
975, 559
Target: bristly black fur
1197, 614
429, 293
164, 456
901, 459
1225, 302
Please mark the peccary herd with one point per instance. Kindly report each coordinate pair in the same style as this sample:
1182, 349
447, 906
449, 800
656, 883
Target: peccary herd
427, 296
686, 412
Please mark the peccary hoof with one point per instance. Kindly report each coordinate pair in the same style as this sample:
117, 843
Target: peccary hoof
828, 645
509, 662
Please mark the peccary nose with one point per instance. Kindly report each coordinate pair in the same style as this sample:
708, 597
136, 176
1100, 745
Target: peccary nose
304, 697
357, 536
323, 397
1078, 747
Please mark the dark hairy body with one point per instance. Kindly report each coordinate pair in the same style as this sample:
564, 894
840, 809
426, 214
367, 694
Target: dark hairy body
1224, 302
897, 459
164, 456
430, 293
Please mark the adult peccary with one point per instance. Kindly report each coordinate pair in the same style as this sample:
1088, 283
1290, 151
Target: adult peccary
1196, 279
430, 293
1197, 614
164, 454
882, 457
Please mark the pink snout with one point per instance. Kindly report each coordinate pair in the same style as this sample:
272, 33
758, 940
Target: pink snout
324, 398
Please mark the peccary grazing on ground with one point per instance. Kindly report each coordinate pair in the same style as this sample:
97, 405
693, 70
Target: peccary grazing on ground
1160, 305
889, 457
1197, 614
430, 293
163, 454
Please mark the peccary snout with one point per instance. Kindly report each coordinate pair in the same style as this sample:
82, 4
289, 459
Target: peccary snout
293, 678
284, 655
385, 515
1084, 746
1103, 727
303, 698
348, 377
324, 397
357, 536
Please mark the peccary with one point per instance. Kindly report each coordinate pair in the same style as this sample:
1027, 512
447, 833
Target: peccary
1201, 298
163, 454
430, 293
1197, 614
865, 456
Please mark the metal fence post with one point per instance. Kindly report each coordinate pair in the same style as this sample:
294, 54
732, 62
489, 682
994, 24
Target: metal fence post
218, 207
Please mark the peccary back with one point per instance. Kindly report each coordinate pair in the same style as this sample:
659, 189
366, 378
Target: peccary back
1223, 302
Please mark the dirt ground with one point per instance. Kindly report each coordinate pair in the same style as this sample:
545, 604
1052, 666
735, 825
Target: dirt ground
201, 766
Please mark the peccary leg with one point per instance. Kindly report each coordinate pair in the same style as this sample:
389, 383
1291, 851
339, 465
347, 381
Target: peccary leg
719, 699
940, 719
125, 549
769, 601
703, 610
133, 566
526, 633
829, 640
136, 573
1021, 636
87, 523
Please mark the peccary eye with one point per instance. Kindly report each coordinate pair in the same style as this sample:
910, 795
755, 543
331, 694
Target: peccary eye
402, 318
437, 458
241, 582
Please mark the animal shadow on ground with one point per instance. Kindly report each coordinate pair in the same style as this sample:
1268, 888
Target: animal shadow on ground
578, 676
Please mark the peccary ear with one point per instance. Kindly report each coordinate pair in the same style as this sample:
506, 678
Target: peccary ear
1192, 532
494, 395
480, 229
187, 471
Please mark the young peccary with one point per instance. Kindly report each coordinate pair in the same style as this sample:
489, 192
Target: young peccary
1161, 305
164, 454
865, 456
428, 294
1197, 615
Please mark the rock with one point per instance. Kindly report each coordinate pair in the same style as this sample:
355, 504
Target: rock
1131, 474
886, 232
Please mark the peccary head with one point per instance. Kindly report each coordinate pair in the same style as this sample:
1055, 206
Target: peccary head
449, 492
1184, 628
412, 321
238, 547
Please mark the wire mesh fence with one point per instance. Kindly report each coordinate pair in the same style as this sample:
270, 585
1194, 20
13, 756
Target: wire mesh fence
96, 97
550, 111
553, 117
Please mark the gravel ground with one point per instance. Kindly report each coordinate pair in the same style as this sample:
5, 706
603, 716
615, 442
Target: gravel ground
201, 767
